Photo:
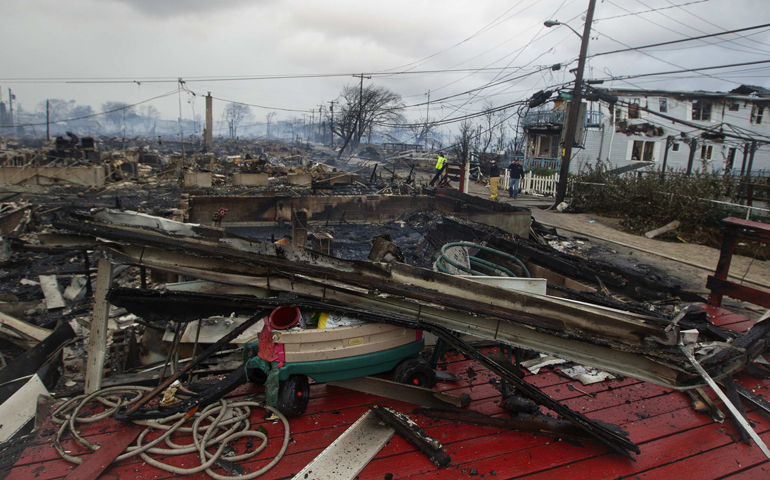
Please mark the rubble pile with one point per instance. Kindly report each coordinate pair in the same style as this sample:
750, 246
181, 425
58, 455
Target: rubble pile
112, 305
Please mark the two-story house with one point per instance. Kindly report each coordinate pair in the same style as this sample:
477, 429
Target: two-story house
634, 131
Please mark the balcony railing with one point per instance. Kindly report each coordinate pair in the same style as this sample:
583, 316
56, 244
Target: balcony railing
552, 117
538, 162
558, 117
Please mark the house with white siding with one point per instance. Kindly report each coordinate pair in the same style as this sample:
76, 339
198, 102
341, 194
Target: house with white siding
635, 130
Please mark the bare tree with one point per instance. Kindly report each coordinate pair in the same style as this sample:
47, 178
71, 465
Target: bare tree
58, 109
488, 127
234, 115
376, 106
116, 113
150, 115
421, 130
464, 142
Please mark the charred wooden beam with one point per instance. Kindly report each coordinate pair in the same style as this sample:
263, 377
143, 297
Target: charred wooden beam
413, 434
538, 425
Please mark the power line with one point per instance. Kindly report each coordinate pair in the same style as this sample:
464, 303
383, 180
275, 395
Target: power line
712, 23
701, 31
675, 31
715, 67
477, 33
124, 107
693, 125
651, 10
667, 62
690, 39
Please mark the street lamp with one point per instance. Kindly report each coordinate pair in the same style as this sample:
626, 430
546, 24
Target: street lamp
555, 23
572, 117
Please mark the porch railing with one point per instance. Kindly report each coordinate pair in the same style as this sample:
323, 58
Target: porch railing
538, 162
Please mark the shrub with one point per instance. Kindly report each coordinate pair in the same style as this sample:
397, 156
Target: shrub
644, 200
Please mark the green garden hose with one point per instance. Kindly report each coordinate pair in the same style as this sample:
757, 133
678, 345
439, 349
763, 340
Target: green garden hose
478, 263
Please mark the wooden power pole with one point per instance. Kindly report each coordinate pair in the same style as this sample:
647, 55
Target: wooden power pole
574, 109
359, 129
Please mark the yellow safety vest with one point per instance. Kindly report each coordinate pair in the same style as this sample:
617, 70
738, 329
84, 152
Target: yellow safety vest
440, 162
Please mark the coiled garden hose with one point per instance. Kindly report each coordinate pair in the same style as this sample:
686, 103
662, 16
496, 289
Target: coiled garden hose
225, 422
478, 263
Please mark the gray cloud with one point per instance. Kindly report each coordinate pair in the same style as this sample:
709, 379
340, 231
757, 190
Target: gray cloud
175, 8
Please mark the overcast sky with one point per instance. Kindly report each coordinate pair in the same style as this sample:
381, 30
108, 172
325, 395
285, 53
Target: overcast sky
165, 39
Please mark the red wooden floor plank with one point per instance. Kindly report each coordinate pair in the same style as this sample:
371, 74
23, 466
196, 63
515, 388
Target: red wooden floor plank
654, 454
719, 462
462, 431
346, 416
553, 454
760, 472
100, 460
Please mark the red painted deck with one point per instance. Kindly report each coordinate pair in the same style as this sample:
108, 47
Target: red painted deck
675, 441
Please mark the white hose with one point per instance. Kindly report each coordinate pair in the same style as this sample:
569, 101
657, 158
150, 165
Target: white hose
228, 422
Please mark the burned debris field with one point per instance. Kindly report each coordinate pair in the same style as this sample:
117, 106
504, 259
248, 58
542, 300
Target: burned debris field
299, 316
350, 241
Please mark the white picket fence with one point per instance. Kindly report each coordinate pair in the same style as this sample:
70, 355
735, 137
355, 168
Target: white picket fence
539, 185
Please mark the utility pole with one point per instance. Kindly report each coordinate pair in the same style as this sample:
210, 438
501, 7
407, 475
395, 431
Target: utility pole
320, 122
427, 122
331, 125
312, 122
669, 142
572, 119
47, 121
10, 105
691, 158
181, 133
208, 135
746, 147
359, 130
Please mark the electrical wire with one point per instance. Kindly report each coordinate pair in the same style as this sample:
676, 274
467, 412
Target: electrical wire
648, 11
697, 69
701, 31
124, 107
690, 39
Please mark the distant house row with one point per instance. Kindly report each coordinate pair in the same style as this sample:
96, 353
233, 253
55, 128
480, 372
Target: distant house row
624, 133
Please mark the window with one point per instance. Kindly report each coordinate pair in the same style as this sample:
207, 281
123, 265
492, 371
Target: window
633, 108
734, 106
675, 147
706, 151
701, 110
663, 105
757, 112
643, 151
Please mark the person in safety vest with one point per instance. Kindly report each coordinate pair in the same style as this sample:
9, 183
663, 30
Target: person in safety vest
440, 167
494, 179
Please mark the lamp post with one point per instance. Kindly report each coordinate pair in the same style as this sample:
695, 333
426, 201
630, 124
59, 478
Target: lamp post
572, 115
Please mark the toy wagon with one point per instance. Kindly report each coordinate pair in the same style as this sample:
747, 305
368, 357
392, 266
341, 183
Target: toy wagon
285, 356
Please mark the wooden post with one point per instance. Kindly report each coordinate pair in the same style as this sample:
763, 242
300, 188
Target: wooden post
746, 147
299, 228
747, 177
751, 159
693, 146
723, 266
97, 340
669, 141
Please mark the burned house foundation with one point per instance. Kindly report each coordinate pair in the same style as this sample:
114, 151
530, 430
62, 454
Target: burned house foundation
333, 210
